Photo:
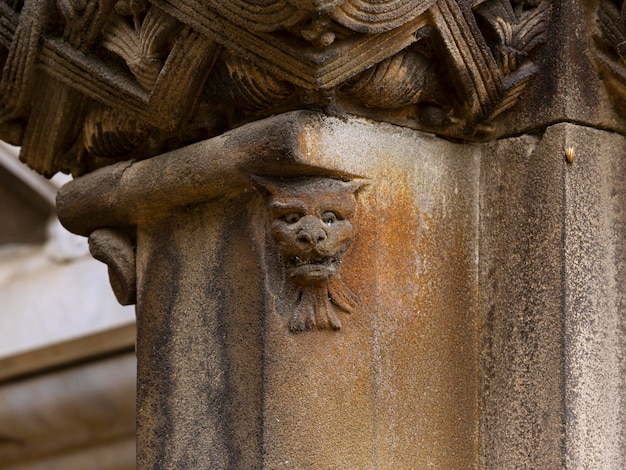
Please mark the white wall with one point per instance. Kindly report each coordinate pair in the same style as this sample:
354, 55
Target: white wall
52, 292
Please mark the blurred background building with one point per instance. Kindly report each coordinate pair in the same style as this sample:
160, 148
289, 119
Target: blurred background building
67, 364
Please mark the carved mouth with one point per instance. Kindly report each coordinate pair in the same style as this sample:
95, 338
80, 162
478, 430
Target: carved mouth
313, 268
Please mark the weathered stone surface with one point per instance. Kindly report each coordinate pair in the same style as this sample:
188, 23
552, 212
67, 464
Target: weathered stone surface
467, 262
552, 368
521, 280
225, 383
465, 309
593, 299
570, 85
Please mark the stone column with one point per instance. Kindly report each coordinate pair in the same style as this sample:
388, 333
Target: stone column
437, 287
552, 270
362, 356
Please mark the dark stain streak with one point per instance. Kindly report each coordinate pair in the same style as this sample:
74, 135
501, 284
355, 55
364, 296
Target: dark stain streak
234, 234
11, 440
190, 340
159, 347
222, 397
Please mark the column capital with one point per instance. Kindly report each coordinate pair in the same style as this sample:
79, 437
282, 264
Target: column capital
121, 80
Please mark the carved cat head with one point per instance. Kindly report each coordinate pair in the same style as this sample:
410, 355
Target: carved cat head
309, 219
310, 222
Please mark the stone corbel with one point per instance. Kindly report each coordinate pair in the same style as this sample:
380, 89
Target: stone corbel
309, 220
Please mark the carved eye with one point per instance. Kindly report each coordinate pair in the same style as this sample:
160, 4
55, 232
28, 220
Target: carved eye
329, 218
292, 217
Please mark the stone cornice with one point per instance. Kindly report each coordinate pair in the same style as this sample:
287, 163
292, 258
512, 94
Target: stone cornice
125, 79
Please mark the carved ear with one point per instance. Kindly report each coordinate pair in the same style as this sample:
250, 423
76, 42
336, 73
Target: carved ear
266, 185
356, 184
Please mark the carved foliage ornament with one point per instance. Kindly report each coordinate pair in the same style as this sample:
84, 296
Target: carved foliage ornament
611, 52
310, 223
166, 73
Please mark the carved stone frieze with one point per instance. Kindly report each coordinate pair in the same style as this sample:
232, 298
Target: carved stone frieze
145, 46
310, 223
611, 51
133, 78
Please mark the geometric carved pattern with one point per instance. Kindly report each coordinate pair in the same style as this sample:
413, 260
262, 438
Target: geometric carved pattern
129, 79
117, 250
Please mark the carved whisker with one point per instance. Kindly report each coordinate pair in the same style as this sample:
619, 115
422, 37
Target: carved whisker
342, 296
321, 309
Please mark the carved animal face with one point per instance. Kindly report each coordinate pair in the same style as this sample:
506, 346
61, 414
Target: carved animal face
310, 222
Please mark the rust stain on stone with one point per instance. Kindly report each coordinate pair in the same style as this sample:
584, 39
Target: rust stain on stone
426, 330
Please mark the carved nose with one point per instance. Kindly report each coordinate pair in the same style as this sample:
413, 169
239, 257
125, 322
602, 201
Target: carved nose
311, 236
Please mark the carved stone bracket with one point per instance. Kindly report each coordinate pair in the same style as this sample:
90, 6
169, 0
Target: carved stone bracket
117, 251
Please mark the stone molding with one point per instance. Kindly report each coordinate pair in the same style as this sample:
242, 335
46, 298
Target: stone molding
123, 194
66, 353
